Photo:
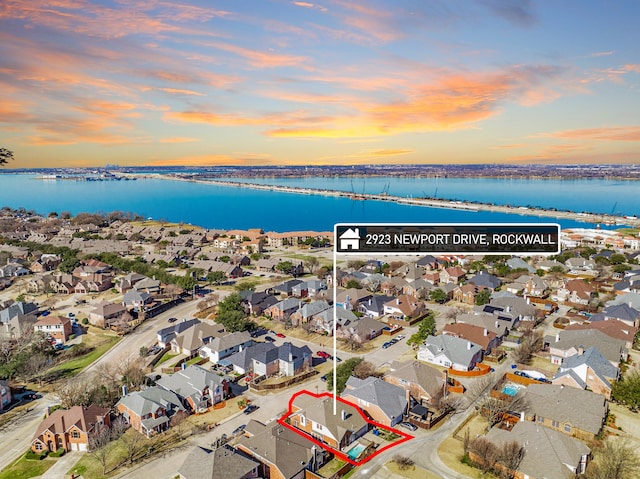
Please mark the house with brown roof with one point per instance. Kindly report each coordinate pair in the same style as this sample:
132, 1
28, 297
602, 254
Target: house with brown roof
221, 463
281, 452
190, 340
70, 429
487, 340
404, 307
105, 313
575, 291
57, 327
452, 275
612, 327
467, 293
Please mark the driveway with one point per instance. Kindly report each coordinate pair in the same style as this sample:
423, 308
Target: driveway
62, 465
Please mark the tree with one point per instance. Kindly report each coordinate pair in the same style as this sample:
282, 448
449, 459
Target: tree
615, 459
285, 267
483, 297
531, 344
426, 328
179, 422
5, 156
364, 370
626, 391
403, 462
99, 445
493, 409
133, 443
353, 284
231, 314
486, 452
438, 295
510, 455
343, 370
216, 277
311, 264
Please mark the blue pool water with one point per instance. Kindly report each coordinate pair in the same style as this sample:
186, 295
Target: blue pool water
355, 451
510, 390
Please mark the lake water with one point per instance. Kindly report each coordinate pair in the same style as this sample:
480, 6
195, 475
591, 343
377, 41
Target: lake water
214, 206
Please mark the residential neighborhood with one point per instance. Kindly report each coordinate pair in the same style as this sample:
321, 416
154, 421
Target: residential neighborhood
164, 345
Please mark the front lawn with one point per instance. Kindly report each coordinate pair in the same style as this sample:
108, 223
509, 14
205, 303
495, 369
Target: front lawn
165, 357
24, 469
72, 367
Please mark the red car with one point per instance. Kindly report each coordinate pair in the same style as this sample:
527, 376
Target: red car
280, 335
323, 354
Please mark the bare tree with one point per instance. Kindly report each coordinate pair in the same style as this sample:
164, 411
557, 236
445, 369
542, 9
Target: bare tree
486, 452
180, 423
35, 367
133, 442
373, 285
403, 462
478, 388
131, 372
353, 341
75, 393
531, 344
493, 409
99, 444
365, 369
510, 455
615, 459
311, 264
451, 314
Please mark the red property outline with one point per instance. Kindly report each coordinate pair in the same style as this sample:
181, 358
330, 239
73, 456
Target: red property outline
341, 455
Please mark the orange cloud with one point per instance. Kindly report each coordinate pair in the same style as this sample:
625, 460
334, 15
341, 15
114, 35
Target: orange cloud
618, 133
179, 140
181, 91
259, 59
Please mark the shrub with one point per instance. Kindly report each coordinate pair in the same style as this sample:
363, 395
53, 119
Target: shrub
35, 456
85, 321
403, 462
60, 452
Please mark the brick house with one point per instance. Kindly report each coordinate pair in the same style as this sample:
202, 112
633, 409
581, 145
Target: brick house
57, 327
70, 429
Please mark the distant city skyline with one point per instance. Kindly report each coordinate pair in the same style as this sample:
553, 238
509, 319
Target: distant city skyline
269, 82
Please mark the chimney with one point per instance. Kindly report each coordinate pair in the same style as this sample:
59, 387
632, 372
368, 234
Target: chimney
468, 345
580, 350
557, 337
46, 412
528, 300
397, 301
508, 310
290, 357
124, 390
343, 415
370, 301
497, 324
486, 333
522, 416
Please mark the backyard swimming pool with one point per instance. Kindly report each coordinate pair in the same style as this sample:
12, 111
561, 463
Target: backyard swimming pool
355, 451
511, 389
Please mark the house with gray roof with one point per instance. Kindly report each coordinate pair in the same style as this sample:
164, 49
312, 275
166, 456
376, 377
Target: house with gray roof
486, 320
286, 287
364, 329
242, 361
16, 309
632, 299
190, 340
486, 280
222, 346
374, 306
622, 312
554, 406
165, 335
197, 387
450, 352
149, 411
284, 309
285, 360
148, 285
136, 299
423, 382
324, 321
567, 343
314, 416
308, 311
382, 401
221, 463
519, 308
282, 452
518, 263
587, 369
548, 454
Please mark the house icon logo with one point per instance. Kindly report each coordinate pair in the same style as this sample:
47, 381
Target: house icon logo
350, 239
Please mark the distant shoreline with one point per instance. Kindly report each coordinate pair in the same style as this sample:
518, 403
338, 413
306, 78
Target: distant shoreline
426, 202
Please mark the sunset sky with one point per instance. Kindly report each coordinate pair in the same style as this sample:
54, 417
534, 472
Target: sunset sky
246, 82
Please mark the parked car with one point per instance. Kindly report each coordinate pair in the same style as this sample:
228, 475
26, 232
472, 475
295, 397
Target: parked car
400, 337
173, 320
324, 354
250, 408
280, 335
239, 429
409, 426
387, 344
269, 338
323, 377
258, 332
338, 360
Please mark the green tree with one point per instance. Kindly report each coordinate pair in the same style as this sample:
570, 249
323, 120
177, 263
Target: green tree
343, 371
216, 277
224, 259
231, 314
617, 258
285, 267
483, 297
5, 156
69, 264
426, 328
353, 283
626, 391
438, 295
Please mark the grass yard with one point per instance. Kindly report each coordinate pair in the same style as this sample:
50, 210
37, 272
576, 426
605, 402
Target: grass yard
24, 469
451, 452
414, 472
166, 357
101, 344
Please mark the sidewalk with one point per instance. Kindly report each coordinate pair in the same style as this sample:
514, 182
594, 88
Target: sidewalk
62, 465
